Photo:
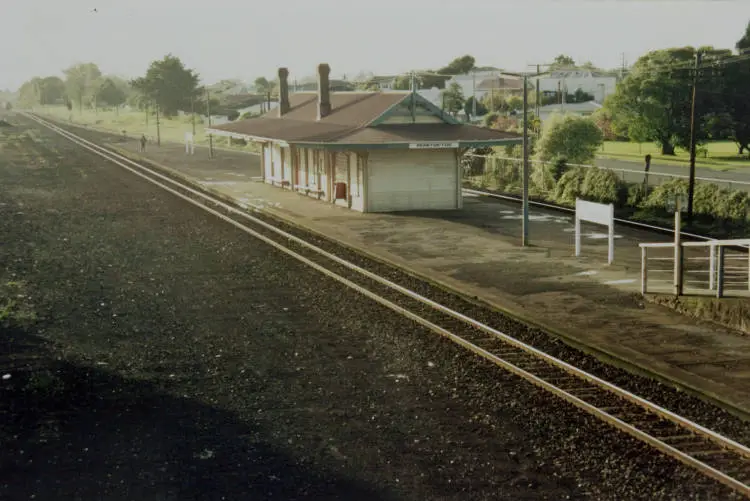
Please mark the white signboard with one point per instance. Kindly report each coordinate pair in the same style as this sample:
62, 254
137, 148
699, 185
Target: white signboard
432, 146
189, 144
600, 214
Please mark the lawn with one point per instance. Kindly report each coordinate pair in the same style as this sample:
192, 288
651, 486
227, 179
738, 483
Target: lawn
719, 155
136, 123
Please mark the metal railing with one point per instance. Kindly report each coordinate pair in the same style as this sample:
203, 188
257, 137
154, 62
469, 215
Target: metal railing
728, 267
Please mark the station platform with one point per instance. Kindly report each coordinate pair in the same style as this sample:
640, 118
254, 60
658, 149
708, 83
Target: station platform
477, 252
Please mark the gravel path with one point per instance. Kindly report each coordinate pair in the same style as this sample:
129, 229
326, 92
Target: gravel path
177, 358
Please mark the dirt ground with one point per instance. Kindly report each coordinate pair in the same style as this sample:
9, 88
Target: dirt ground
160, 354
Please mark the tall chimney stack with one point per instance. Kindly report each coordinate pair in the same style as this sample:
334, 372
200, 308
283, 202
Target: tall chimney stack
324, 91
283, 91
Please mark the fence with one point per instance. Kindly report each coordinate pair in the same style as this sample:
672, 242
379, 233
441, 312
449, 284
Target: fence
728, 269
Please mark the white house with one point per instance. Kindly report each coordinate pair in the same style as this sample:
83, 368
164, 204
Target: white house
568, 81
580, 109
470, 82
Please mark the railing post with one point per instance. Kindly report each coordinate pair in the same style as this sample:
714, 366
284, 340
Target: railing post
720, 274
712, 267
677, 254
748, 269
644, 269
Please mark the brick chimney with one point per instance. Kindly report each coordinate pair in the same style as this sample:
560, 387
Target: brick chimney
324, 91
283, 91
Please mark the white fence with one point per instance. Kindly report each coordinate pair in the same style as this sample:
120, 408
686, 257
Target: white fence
728, 268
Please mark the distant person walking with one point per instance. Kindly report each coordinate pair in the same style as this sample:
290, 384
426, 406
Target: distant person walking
142, 144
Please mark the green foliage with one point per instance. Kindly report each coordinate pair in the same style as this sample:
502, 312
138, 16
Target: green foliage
469, 107
706, 198
653, 103
110, 94
490, 119
557, 167
458, 66
663, 195
168, 84
453, 98
602, 186
515, 103
569, 187
563, 61
262, 85
473, 161
81, 82
233, 115
636, 195
575, 138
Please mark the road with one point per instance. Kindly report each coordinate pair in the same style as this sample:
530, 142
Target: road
730, 178
175, 357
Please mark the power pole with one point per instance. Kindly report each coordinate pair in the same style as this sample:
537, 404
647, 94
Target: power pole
525, 234
158, 134
413, 97
691, 182
474, 93
537, 91
210, 136
192, 113
622, 66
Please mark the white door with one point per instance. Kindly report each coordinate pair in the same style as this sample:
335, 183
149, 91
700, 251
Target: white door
401, 180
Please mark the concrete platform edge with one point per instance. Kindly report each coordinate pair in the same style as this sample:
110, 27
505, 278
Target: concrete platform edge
607, 356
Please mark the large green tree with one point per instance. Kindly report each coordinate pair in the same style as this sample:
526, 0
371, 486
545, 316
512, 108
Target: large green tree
459, 66
562, 61
653, 102
110, 94
735, 96
81, 82
574, 138
168, 84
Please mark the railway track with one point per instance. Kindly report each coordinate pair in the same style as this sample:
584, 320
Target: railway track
710, 453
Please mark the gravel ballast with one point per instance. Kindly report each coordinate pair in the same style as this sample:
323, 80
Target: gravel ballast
186, 360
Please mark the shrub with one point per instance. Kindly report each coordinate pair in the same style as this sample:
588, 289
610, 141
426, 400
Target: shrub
662, 195
569, 186
601, 185
471, 163
557, 167
732, 205
541, 182
706, 199
575, 138
636, 195
491, 118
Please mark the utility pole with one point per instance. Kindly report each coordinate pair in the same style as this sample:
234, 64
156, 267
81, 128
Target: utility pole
474, 93
158, 134
413, 97
192, 112
210, 136
622, 66
691, 182
525, 235
537, 91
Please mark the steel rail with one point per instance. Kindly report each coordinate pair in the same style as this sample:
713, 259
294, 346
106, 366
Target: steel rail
697, 431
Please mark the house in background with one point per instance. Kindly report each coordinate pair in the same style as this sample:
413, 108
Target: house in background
369, 151
580, 109
597, 84
469, 82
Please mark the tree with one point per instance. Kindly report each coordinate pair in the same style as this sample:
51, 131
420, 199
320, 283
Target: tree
603, 119
108, 93
81, 81
52, 90
453, 98
402, 82
469, 107
458, 66
574, 138
262, 85
588, 65
562, 61
515, 103
654, 101
744, 42
168, 84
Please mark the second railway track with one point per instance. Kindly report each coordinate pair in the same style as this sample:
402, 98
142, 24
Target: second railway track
711, 453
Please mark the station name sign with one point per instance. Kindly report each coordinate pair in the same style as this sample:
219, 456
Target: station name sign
432, 146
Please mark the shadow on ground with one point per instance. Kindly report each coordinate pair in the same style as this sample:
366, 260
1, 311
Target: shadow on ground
76, 432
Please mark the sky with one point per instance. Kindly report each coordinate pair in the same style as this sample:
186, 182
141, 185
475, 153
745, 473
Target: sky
248, 38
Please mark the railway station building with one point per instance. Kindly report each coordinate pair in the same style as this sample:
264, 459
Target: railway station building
369, 151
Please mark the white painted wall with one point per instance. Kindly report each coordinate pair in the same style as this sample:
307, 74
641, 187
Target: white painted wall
401, 180
599, 87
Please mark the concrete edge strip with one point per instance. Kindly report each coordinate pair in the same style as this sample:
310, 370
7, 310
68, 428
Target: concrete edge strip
601, 353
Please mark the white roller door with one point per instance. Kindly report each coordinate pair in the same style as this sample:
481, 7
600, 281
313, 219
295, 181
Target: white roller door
401, 180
